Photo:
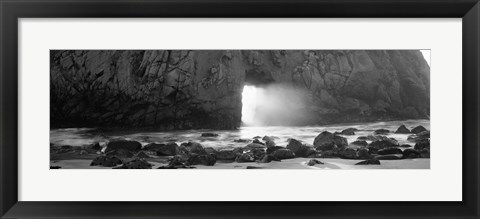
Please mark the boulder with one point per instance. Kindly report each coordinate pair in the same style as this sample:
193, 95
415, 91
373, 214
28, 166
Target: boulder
405, 146
329, 154
256, 141
363, 153
241, 140
123, 144
422, 144
136, 163
402, 130
328, 141
313, 162
372, 138
95, 146
410, 153
389, 151
359, 143
194, 147
267, 138
386, 143
419, 137
55, 167
389, 157
425, 153
201, 159
258, 153
142, 154
369, 162
121, 153
245, 158
283, 154
254, 145
299, 149
348, 153
372, 150
268, 158
349, 131
229, 155
106, 161
209, 134
253, 167
169, 149
418, 129
270, 150
381, 131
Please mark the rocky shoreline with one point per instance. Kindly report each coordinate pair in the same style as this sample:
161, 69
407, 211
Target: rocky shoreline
370, 149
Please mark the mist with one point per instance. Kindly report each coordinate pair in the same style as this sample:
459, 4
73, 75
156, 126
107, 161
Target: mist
274, 105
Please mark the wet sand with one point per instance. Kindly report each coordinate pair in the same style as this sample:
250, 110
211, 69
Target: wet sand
296, 163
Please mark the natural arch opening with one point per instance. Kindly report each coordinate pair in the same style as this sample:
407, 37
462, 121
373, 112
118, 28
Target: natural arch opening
266, 102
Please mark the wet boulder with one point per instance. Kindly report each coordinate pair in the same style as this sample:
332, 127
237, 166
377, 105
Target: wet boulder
313, 162
209, 134
372, 150
283, 154
369, 162
136, 163
328, 141
389, 157
372, 138
253, 167
123, 144
194, 147
228, 155
329, 154
201, 159
348, 153
405, 146
402, 130
106, 161
418, 129
363, 153
256, 141
245, 158
254, 145
241, 140
385, 143
142, 154
270, 150
349, 131
95, 146
422, 144
299, 149
359, 143
169, 149
381, 131
410, 153
268, 158
419, 137
425, 153
258, 153
121, 153
389, 151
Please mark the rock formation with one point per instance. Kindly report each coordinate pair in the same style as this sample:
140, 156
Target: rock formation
171, 89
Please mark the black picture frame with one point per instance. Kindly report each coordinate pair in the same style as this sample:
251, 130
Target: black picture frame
12, 10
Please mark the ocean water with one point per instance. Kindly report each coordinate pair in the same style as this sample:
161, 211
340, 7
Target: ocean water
306, 134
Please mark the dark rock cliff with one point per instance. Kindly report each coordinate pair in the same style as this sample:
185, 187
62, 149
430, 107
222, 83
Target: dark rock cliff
202, 89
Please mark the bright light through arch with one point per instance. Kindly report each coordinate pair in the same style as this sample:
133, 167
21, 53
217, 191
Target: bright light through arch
249, 104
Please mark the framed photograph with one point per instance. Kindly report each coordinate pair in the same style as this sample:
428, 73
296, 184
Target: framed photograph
254, 109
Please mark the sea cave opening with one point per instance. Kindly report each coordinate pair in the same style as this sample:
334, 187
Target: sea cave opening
267, 102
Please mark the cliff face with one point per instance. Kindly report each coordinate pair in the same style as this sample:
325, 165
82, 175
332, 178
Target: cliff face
202, 89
